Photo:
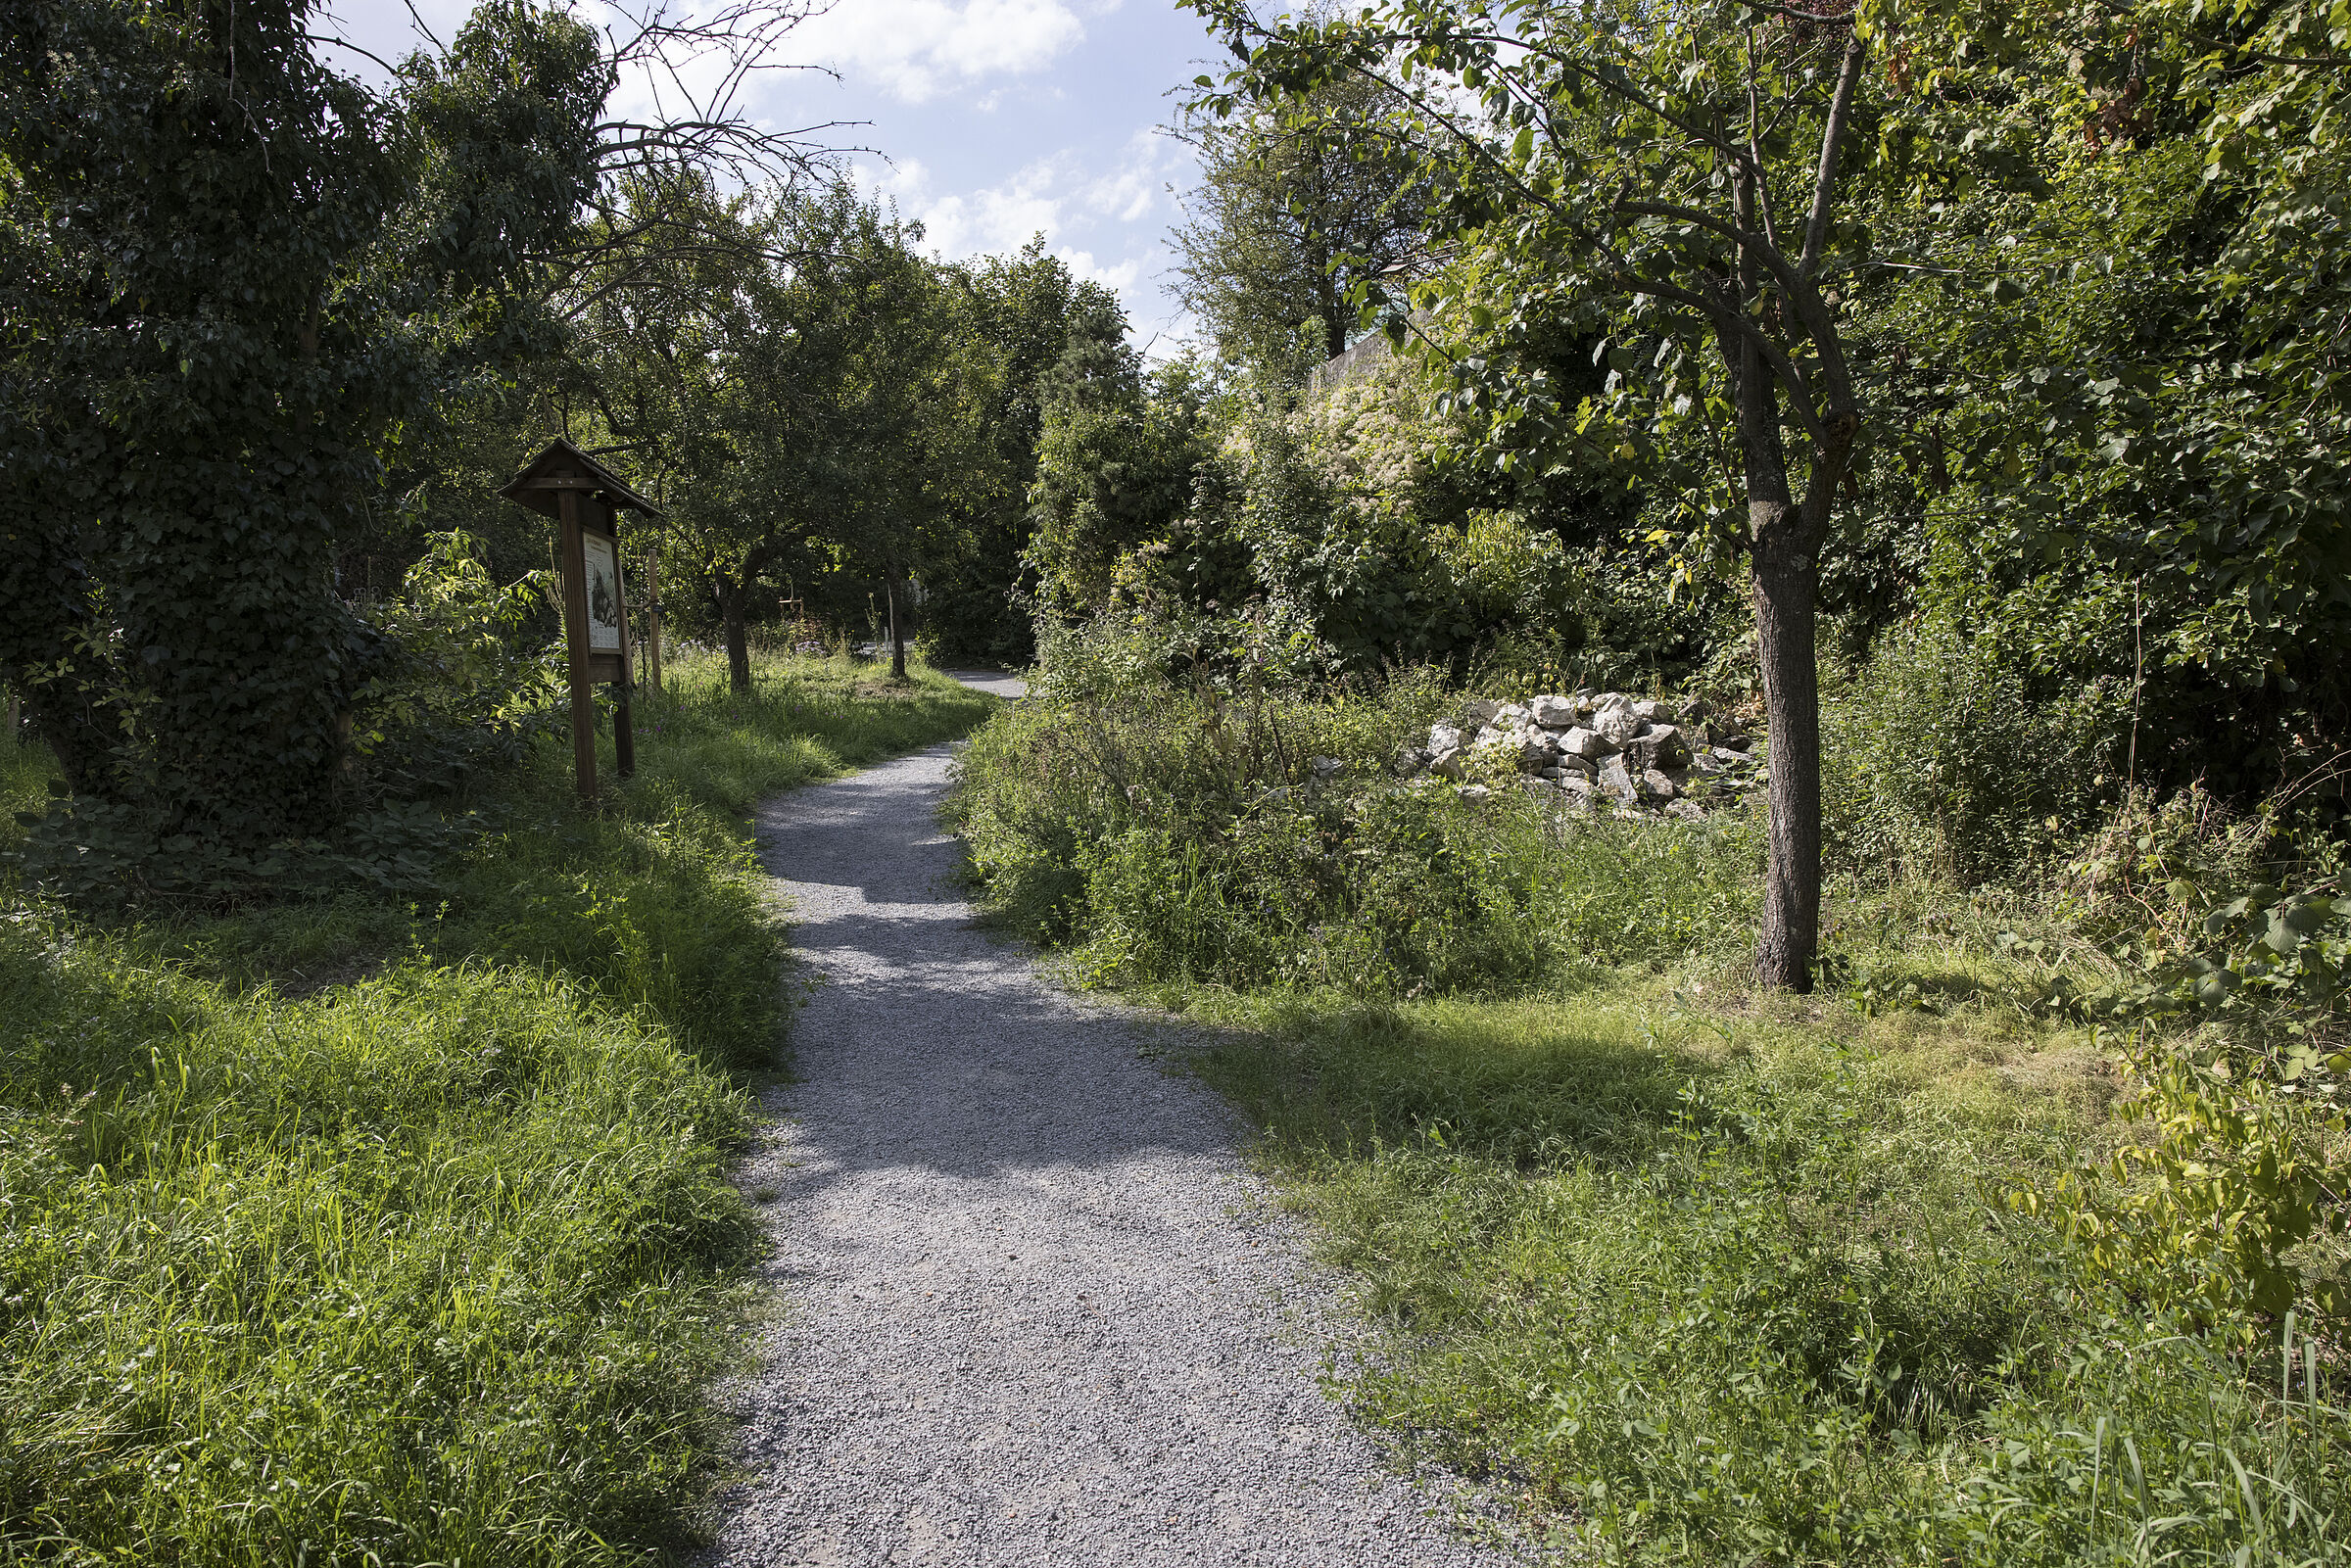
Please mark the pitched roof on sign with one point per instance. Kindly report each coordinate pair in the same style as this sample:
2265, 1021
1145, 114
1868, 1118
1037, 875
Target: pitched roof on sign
561, 461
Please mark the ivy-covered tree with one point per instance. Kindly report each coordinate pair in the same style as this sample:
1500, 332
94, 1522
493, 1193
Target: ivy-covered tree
227, 273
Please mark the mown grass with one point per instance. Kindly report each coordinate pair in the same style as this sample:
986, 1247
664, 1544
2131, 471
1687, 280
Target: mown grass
395, 1227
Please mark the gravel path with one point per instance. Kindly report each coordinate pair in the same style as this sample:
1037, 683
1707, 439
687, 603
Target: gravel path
1035, 1309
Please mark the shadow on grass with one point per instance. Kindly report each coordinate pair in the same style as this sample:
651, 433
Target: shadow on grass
417, 1194
1525, 1083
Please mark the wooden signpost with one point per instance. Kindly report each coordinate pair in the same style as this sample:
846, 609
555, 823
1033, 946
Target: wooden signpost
586, 498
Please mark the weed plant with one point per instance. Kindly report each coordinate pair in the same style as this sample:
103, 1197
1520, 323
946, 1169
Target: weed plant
395, 1227
1942, 765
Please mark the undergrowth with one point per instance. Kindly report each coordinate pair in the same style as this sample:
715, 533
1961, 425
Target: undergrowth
1166, 832
393, 1224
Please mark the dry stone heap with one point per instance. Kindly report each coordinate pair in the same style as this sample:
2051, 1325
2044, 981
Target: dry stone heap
1633, 754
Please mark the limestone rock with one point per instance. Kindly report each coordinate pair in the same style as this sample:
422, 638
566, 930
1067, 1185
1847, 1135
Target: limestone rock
1617, 781
1553, 713
1649, 757
1661, 746
1587, 744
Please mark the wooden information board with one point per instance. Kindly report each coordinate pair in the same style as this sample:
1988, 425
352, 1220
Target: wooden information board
586, 500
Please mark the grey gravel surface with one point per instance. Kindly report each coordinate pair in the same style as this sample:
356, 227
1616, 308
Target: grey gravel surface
1034, 1310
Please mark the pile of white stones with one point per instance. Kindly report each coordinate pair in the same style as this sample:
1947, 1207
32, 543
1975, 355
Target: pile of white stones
1594, 747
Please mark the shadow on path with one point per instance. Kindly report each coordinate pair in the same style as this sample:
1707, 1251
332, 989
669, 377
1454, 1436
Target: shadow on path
1037, 1311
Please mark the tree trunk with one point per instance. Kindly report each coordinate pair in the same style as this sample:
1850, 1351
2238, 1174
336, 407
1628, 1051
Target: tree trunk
1785, 539
1787, 577
898, 636
731, 601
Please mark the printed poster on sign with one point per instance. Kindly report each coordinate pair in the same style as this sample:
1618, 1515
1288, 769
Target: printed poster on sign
603, 594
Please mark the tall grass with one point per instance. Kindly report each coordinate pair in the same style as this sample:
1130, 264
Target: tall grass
1721, 1285
396, 1227
1173, 834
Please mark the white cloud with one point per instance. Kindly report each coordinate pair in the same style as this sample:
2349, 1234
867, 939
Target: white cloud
999, 218
918, 48
1056, 196
1078, 210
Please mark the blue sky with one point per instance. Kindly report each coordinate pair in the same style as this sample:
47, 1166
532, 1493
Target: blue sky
996, 120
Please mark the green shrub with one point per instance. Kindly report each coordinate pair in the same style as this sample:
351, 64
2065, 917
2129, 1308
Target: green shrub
2208, 1208
1171, 831
1940, 764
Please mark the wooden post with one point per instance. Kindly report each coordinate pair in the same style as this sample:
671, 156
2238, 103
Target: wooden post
624, 727
897, 643
575, 634
652, 616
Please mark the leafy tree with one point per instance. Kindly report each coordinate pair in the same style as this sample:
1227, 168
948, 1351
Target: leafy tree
1025, 315
918, 456
1677, 173
737, 379
228, 273
2112, 392
1287, 221
1117, 462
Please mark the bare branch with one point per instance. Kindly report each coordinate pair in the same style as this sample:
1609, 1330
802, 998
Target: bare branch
417, 17
386, 67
